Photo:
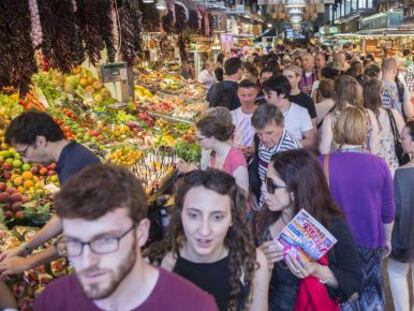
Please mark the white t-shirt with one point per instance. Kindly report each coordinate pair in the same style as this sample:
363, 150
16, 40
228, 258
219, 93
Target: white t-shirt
244, 133
297, 121
206, 78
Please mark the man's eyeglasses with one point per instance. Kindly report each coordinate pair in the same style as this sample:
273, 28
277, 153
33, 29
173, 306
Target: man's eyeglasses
23, 152
200, 139
271, 186
100, 246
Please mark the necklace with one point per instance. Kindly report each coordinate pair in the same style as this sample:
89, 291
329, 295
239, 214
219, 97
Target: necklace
352, 148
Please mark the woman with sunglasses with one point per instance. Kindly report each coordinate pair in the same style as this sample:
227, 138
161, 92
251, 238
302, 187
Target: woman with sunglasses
296, 181
209, 242
215, 133
361, 184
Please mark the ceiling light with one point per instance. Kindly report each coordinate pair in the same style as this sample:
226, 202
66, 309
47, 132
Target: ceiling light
161, 5
147, 1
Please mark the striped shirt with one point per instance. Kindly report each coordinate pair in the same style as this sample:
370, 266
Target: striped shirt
244, 132
287, 142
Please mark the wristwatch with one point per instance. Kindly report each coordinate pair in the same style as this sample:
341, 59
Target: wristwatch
27, 249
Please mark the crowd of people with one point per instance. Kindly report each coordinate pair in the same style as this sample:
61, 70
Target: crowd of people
327, 133
354, 113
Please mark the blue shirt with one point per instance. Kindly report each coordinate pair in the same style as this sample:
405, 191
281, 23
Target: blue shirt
72, 159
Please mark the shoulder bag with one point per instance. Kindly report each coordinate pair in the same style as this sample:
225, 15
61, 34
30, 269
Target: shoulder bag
402, 157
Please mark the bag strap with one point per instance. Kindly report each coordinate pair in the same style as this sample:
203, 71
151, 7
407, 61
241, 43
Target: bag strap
326, 167
330, 110
394, 129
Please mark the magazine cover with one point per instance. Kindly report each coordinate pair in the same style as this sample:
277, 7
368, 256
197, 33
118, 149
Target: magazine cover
305, 234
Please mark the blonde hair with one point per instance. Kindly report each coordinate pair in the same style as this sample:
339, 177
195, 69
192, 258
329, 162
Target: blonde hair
351, 128
348, 91
296, 69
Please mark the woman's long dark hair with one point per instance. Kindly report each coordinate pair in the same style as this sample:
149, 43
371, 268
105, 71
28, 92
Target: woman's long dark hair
239, 239
372, 97
304, 177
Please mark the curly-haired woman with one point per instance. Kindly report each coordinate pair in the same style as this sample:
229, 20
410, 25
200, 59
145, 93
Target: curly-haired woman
209, 242
296, 181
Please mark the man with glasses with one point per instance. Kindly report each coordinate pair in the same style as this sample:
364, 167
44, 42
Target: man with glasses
38, 138
271, 137
103, 211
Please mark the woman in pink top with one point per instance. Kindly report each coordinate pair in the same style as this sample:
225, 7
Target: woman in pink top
215, 134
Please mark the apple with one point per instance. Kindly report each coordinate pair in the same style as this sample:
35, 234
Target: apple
43, 171
4, 197
17, 206
51, 166
7, 175
3, 186
16, 197
51, 173
35, 170
7, 166
8, 215
11, 190
19, 215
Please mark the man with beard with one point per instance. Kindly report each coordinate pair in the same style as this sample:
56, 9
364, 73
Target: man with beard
103, 212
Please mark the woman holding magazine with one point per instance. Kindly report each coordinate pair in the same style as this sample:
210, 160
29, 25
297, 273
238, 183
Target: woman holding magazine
296, 181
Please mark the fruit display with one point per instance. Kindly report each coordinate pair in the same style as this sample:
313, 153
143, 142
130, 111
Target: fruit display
147, 137
124, 156
27, 286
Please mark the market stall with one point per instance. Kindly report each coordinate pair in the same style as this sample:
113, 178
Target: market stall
51, 72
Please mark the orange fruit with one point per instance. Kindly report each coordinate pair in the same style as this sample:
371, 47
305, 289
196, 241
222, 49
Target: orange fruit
18, 181
28, 184
20, 189
27, 175
83, 82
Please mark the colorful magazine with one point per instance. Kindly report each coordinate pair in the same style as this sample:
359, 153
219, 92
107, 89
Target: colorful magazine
305, 234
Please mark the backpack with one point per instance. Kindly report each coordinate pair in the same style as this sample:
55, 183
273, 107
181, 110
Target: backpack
219, 96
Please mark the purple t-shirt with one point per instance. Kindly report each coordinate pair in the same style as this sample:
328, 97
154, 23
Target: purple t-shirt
362, 186
171, 292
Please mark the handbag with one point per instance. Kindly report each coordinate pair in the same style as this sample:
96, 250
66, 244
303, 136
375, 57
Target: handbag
402, 157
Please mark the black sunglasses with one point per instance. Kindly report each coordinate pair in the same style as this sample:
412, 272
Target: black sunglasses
271, 186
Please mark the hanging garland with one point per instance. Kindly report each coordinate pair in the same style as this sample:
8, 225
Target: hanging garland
15, 24
131, 27
150, 16
106, 26
180, 18
89, 23
193, 21
168, 22
61, 44
7, 62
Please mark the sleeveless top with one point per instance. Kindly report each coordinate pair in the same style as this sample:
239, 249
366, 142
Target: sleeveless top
213, 277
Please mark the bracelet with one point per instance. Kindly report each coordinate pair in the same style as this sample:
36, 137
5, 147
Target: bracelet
324, 282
